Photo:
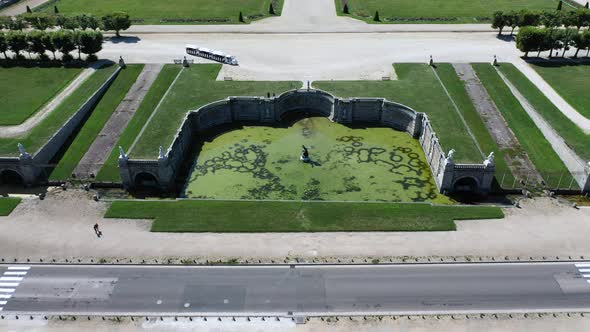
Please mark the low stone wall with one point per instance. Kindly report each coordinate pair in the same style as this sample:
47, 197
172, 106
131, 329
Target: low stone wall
372, 111
32, 168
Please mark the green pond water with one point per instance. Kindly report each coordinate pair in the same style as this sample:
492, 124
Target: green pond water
350, 164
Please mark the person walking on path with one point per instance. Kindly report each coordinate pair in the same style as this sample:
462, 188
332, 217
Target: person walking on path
97, 230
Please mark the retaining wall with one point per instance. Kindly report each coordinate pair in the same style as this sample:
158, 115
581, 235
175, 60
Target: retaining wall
372, 111
32, 167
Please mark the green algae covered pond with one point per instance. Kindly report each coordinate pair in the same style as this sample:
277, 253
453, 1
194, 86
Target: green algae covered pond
347, 164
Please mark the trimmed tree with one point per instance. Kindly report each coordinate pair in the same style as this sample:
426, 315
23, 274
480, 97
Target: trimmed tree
5, 22
560, 5
64, 42
498, 21
55, 10
29, 10
512, 20
17, 24
587, 5
17, 42
118, 21
528, 18
241, 17
345, 8
47, 40
551, 19
35, 41
3, 44
530, 39
91, 42
271, 9
376, 17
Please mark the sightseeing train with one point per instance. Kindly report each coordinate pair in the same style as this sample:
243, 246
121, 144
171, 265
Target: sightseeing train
211, 55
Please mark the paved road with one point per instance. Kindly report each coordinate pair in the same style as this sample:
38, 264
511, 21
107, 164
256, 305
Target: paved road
301, 290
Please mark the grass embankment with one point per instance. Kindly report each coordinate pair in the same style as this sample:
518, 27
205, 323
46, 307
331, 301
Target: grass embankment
456, 89
569, 131
100, 115
110, 171
26, 90
429, 11
181, 12
42, 132
418, 88
250, 216
7, 205
195, 87
533, 143
571, 81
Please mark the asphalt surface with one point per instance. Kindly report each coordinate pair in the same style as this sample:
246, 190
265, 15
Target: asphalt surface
296, 290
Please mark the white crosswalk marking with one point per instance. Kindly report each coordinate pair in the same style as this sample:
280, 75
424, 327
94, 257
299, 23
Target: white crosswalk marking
11, 278
8, 284
15, 275
582, 265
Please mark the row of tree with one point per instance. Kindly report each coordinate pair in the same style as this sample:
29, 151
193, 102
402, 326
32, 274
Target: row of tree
578, 18
41, 21
39, 42
531, 39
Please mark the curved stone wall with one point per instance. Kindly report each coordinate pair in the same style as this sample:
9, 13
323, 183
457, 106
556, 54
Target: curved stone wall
372, 111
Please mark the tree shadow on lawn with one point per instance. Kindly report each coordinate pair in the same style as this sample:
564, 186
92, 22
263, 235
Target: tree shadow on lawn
123, 39
557, 62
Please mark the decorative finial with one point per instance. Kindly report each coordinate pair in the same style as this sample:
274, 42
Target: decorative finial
122, 154
489, 160
23, 152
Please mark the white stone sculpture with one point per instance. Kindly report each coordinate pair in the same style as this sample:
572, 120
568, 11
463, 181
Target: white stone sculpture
489, 160
122, 154
23, 153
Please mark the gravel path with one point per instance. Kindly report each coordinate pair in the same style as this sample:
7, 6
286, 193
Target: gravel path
35, 119
572, 161
521, 166
102, 146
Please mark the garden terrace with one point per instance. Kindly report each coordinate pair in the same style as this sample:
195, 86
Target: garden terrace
429, 11
161, 12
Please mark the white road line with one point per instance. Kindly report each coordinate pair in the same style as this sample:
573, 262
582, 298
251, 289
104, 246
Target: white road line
19, 267
11, 278
5, 296
586, 275
8, 284
15, 273
3, 302
0, 308
584, 270
6, 290
582, 265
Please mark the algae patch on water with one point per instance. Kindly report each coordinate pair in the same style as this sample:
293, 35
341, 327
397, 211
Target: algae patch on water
349, 164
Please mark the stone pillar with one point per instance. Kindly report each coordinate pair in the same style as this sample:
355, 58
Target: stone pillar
445, 177
586, 188
417, 130
124, 171
485, 185
165, 171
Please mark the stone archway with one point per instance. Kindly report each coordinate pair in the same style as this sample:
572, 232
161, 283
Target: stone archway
146, 180
11, 177
466, 185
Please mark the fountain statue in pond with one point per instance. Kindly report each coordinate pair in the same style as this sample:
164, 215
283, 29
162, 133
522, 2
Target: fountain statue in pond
304, 155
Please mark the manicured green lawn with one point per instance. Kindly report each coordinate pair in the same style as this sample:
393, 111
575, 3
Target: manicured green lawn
569, 131
438, 11
7, 205
42, 132
100, 115
571, 81
110, 171
456, 89
546, 161
195, 87
250, 216
418, 88
23, 91
178, 12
